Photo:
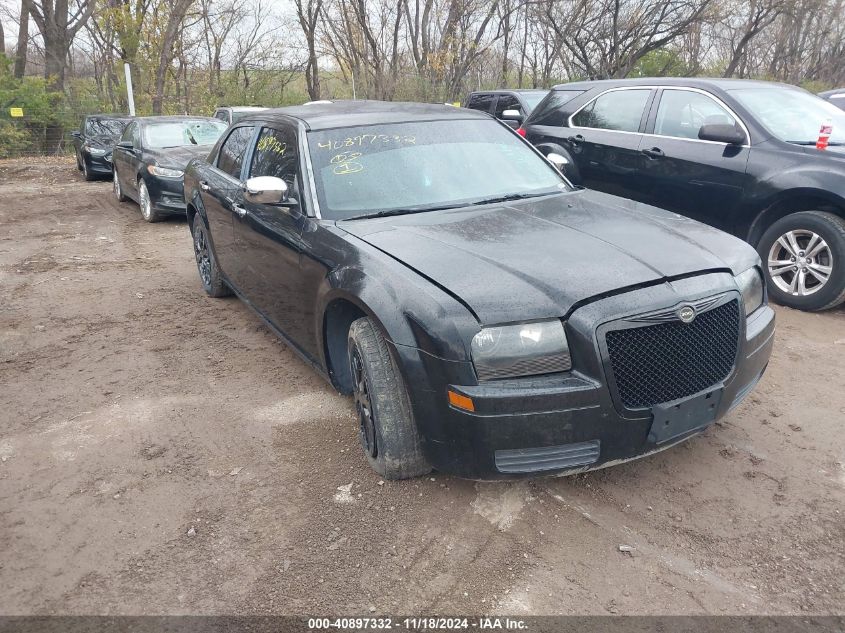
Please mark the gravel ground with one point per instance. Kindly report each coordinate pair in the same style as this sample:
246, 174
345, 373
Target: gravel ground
163, 452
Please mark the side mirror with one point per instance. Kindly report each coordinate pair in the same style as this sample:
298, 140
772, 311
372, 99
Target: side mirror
512, 115
558, 161
125, 145
266, 190
722, 133
75, 134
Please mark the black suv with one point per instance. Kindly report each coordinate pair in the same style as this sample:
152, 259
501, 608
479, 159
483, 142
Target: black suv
497, 102
738, 155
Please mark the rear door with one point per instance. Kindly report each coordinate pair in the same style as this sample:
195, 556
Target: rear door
604, 140
704, 180
221, 190
268, 238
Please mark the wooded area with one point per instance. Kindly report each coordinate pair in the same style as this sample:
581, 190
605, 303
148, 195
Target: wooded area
65, 57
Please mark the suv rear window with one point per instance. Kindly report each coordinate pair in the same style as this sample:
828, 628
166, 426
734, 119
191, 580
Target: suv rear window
481, 102
550, 111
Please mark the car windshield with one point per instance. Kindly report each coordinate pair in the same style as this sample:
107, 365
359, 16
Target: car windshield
791, 115
423, 166
533, 98
187, 132
110, 128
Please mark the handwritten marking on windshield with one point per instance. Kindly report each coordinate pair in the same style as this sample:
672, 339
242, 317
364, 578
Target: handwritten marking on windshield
367, 140
345, 163
271, 143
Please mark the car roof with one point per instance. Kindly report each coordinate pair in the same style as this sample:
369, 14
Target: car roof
831, 93
242, 108
518, 91
174, 118
338, 114
690, 82
109, 116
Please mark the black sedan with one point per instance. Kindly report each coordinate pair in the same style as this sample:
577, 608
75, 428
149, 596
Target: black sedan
150, 160
94, 141
489, 319
739, 155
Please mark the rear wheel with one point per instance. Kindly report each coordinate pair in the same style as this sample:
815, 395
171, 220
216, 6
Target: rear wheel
387, 430
146, 204
212, 280
804, 260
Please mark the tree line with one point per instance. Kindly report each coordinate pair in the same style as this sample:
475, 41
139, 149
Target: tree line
190, 55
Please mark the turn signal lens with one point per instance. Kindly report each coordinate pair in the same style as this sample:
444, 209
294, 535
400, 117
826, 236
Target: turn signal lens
521, 132
460, 402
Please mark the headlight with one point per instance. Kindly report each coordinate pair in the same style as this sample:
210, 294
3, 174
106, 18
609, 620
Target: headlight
528, 349
96, 151
165, 172
751, 286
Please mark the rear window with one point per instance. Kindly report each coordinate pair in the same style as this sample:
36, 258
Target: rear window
551, 111
620, 110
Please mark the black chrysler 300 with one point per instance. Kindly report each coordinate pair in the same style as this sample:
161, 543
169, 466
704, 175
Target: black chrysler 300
150, 159
489, 319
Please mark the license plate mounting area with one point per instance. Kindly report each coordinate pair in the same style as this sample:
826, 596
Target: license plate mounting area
673, 420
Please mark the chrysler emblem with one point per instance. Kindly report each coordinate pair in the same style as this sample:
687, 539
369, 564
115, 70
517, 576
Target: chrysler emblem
686, 314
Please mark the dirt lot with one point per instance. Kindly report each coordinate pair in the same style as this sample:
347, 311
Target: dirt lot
163, 452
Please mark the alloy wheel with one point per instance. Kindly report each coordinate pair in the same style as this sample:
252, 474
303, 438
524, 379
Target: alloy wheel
800, 262
361, 396
144, 200
203, 256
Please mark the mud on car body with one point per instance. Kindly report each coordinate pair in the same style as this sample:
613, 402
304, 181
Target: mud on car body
489, 319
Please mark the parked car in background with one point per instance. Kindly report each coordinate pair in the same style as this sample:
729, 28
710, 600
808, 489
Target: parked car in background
836, 97
488, 319
150, 159
520, 103
233, 114
739, 155
94, 141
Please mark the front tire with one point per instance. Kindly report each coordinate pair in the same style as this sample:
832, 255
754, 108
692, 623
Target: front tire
387, 430
86, 171
146, 203
116, 188
210, 276
804, 260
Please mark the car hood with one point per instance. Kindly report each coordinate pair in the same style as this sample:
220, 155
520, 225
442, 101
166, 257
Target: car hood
538, 258
178, 157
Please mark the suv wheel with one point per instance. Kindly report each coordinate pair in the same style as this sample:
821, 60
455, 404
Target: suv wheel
804, 260
387, 429
212, 280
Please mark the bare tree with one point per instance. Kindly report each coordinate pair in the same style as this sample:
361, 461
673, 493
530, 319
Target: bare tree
309, 14
172, 30
23, 40
743, 23
58, 23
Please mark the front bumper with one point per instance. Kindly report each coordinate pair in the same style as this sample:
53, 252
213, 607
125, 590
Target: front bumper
167, 194
98, 164
566, 423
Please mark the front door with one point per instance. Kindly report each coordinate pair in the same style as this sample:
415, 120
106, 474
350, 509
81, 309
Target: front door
268, 239
604, 141
221, 192
126, 161
700, 179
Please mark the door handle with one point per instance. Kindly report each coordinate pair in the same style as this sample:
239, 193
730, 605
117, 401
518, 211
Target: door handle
576, 139
654, 152
239, 210
204, 186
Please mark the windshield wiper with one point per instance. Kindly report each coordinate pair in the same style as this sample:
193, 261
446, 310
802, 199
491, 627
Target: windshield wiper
191, 137
388, 212
812, 143
512, 196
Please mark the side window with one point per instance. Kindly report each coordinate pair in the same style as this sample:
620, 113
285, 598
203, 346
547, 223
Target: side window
276, 155
136, 135
551, 110
481, 102
682, 113
221, 114
507, 102
619, 110
231, 155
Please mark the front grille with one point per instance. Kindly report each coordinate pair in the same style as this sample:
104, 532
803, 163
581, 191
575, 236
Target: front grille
532, 460
664, 362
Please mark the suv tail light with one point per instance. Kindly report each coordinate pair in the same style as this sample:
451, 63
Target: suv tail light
520, 131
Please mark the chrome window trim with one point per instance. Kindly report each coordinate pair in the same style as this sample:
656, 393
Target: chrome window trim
305, 151
676, 138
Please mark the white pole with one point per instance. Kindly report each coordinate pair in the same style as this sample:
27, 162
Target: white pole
129, 94
352, 72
